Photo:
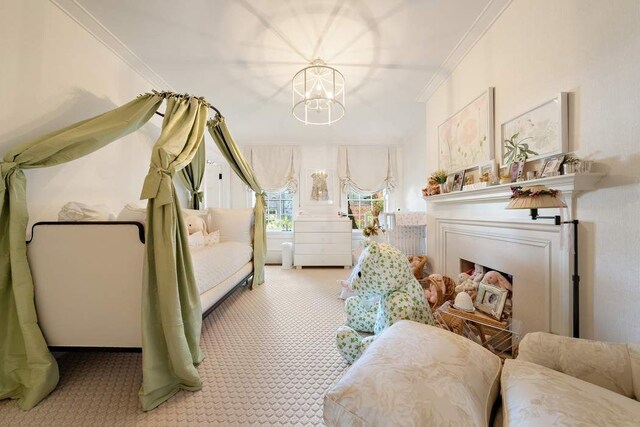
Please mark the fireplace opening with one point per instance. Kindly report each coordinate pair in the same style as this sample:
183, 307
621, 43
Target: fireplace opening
491, 290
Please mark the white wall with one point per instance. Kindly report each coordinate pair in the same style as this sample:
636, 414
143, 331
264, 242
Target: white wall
415, 175
55, 73
589, 48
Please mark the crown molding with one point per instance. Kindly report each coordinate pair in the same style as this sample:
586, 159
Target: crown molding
90, 23
480, 26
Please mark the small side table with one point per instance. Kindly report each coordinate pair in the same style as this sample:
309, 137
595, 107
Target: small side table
500, 337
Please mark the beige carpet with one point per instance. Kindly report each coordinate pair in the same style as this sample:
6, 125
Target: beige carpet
269, 358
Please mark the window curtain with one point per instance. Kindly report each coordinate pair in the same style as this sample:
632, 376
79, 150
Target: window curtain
367, 169
229, 149
28, 372
171, 312
275, 167
192, 176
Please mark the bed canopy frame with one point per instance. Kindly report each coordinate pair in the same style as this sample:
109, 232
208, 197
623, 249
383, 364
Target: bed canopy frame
171, 315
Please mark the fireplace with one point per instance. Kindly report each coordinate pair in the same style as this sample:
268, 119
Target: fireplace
497, 304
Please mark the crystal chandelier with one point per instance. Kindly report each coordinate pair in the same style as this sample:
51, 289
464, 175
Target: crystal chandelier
318, 94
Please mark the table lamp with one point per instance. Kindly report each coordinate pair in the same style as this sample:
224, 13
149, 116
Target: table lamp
536, 197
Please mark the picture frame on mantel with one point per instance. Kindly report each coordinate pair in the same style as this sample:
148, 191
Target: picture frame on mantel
544, 128
466, 139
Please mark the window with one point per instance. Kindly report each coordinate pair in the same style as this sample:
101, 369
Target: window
360, 207
279, 211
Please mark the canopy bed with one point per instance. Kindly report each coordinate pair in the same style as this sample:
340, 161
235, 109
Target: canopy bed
171, 307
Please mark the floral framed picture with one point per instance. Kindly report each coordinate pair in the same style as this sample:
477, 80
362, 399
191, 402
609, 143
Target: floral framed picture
491, 300
537, 133
465, 139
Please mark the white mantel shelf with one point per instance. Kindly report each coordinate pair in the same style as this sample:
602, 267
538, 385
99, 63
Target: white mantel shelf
570, 185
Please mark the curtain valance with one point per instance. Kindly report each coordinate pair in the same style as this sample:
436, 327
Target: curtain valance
275, 167
367, 169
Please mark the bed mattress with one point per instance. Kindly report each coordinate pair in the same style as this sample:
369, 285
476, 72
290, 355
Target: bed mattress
214, 264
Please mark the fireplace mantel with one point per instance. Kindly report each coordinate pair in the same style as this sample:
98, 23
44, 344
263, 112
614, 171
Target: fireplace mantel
570, 185
474, 225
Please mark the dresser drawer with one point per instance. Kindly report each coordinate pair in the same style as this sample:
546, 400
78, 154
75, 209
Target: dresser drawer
322, 226
343, 238
329, 248
323, 259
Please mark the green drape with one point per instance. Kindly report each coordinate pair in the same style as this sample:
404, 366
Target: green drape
28, 372
220, 133
171, 312
192, 176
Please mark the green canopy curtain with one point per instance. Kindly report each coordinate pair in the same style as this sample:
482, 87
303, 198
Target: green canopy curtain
28, 372
192, 176
220, 133
171, 313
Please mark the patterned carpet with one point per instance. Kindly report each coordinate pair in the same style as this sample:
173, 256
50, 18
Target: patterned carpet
269, 358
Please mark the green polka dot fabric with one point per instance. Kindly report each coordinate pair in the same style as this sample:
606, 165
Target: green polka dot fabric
386, 292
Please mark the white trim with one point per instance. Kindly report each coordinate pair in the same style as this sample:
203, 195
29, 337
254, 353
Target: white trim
86, 20
480, 26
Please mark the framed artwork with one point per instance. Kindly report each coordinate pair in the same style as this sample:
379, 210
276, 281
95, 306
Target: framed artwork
491, 300
551, 166
318, 187
515, 170
488, 172
465, 140
458, 181
544, 130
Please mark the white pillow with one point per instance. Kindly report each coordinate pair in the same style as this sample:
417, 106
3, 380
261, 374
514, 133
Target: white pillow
196, 239
132, 212
76, 211
235, 225
212, 238
204, 214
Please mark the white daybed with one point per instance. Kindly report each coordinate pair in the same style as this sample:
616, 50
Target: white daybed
88, 276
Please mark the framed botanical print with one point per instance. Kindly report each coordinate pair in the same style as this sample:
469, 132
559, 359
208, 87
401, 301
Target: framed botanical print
542, 131
465, 140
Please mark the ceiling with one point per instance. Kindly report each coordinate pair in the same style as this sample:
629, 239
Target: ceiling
241, 55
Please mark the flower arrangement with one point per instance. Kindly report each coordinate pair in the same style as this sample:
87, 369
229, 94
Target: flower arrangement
439, 176
517, 192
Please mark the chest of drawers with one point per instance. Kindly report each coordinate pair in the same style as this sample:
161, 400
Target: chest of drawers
322, 242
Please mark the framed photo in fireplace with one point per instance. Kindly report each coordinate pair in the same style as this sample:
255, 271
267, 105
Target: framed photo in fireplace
491, 300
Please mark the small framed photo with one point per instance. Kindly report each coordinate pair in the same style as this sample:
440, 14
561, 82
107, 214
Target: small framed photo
515, 170
491, 300
488, 172
458, 181
551, 166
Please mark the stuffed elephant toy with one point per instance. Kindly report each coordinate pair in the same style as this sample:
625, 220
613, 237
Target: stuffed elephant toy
386, 292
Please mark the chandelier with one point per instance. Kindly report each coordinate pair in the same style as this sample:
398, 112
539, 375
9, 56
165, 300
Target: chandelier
318, 94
